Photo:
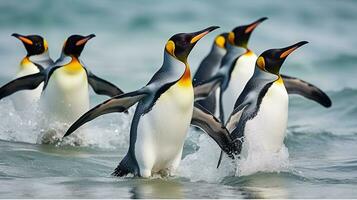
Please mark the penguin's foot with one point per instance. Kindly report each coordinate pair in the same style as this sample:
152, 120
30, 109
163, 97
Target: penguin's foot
50, 137
236, 146
164, 173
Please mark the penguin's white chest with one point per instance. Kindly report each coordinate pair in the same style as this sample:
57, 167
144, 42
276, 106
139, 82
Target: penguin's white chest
24, 99
266, 131
66, 96
242, 72
162, 131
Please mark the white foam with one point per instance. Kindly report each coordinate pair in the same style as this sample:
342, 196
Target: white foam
112, 131
201, 165
261, 161
31, 126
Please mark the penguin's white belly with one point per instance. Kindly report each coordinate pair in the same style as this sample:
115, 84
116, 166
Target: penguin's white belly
24, 99
162, 131
266, 131
242, 72
66, 97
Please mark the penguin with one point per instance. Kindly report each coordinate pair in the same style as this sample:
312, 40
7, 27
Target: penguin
237, 54
261, 112
36, 60
237, 67
163, 115
65, 95
207, 69
242, 67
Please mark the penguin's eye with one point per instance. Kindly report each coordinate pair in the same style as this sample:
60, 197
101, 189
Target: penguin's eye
261, 63
170, 47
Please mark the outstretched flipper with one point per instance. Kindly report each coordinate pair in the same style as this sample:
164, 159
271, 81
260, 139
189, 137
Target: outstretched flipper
213, 127
297, 86
119, 103
28, 82
103, 87
206, 88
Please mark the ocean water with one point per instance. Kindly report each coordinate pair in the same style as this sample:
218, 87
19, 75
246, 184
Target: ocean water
319, 159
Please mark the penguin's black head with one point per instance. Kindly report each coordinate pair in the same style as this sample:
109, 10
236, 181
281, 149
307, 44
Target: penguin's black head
271, 60
240, 35
34, 44
181, 44
221, 40
75, 43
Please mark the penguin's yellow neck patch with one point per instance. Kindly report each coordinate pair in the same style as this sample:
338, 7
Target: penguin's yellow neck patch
73, 67
249, 52
185, 80
280, 81
25, 62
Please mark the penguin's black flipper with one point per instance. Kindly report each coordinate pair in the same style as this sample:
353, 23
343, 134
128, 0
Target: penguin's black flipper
206, 88
103, 87
23, 83
213, 127
120, 103
297, 86
231, 124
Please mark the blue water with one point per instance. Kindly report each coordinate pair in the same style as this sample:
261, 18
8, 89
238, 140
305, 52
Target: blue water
319, 161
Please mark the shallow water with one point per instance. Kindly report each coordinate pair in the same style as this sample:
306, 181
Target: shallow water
319, 160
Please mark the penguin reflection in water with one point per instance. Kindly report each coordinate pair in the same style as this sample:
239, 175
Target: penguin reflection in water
163, 115
36, 60
65, 95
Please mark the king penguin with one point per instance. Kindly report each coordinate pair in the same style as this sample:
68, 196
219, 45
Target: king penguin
260, 113
65, 96
237, 67
242, 67
36, 60
237, 54
163, 115
208, 68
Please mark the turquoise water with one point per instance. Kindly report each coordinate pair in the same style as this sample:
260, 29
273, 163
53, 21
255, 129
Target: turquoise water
319, 161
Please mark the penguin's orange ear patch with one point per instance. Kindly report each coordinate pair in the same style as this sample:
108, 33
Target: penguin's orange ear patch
170, 47
26, 40
45, 44
261, 63
220, 41
231, 37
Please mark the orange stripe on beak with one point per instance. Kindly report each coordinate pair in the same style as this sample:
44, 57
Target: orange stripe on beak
287, 52
82, 41
25, 40
251, 27
199, 36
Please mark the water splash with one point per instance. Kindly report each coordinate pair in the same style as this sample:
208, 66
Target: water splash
32, 126
201, 165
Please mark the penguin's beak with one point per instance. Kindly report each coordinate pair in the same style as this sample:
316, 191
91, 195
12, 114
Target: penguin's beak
84, 40
23, 38
253, 25
288, 50
200, 34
